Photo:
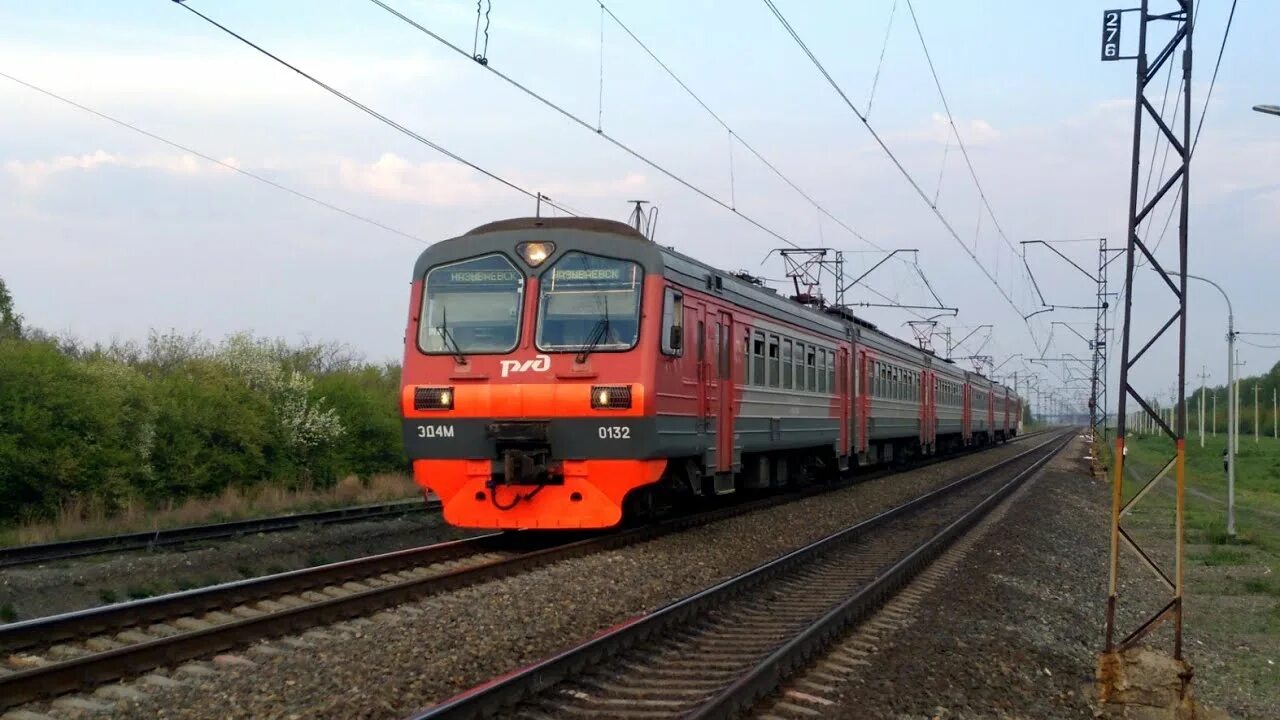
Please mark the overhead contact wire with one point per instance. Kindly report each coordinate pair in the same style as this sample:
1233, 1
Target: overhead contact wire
614, 141
741, 141
210, 158
374, 113
892, 157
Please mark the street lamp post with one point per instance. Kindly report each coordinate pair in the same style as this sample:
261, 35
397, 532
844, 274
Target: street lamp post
1233, 407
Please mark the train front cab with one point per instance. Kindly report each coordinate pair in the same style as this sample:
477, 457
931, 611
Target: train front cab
529, 366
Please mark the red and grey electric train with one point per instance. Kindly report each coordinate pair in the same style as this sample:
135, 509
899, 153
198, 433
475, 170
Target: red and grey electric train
559, 372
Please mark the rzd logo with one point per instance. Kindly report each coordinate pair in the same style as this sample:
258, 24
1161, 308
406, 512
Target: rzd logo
539, 363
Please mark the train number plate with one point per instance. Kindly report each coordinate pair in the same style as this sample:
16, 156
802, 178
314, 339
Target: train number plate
614, 432
435, 431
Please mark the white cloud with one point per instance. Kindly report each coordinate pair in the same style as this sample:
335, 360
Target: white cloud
431, 183
973, 132
35, 174
395, 178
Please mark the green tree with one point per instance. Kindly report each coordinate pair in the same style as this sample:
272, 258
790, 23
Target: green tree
366, 401
65, 431
211, 431
10, 321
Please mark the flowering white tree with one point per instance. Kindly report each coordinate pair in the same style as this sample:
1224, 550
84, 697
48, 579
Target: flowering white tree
305, 424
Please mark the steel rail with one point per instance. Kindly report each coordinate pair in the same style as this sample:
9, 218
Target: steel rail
765, 677
69, 675
504, 692
111, 618
90, 670
66, 549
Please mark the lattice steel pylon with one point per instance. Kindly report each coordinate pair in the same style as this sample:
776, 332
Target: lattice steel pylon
1101, 338
1178, 15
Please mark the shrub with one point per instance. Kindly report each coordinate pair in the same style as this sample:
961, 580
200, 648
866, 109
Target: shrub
366, 400
212, 430
68, 430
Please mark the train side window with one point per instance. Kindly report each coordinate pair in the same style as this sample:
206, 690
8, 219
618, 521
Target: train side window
798, 363
831, 372
822, 370
702, 343
673, 323
746, 358
787, 370
811, 368
774, 360
723, 342
757, 359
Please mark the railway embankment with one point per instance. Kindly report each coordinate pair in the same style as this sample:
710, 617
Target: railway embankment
402, 659
32, 591
1010, 622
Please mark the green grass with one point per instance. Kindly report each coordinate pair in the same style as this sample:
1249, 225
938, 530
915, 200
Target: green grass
1261, 586
1232, 581
8, 614
1257, 486
1225, 556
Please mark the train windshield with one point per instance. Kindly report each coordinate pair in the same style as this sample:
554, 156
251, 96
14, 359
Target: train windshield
588, 303
472, 306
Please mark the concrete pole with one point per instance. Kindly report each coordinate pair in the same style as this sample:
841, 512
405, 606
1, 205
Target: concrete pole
1255, 413
1215, 413
1232, 429
1236, 408
1201, 405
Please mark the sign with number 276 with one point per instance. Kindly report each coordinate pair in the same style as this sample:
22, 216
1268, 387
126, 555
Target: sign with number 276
1111, 34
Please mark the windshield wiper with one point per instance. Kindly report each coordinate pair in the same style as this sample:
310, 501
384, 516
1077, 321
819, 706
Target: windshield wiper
598, 333
443, 329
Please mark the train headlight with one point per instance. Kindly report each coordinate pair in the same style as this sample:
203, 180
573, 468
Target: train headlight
433, 398
610, 397
535, 253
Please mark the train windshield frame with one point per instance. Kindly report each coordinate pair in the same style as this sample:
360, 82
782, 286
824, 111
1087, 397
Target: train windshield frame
589, 303
472, 307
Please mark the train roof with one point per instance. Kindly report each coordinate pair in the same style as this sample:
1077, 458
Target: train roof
586, 232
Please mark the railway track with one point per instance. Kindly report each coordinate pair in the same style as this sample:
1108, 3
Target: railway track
75, 651
67, 549
715, 653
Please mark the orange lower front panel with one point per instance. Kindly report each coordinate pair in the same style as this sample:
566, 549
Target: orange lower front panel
591, 496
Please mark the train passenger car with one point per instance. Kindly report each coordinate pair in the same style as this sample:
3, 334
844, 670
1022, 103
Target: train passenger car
563, 373
898, 421
949, 389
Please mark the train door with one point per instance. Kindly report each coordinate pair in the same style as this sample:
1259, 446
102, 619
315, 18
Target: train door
930, 408
864, 400
725, 390
843, 395
702, 392
923, 408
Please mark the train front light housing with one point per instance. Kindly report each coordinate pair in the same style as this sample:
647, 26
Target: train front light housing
433, 398
535, 253
610, 397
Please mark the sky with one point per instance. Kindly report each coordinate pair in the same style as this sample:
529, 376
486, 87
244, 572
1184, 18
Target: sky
108, 234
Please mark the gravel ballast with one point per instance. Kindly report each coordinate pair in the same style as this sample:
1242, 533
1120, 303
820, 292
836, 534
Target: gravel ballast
1014, 629
420, 653
33, 591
